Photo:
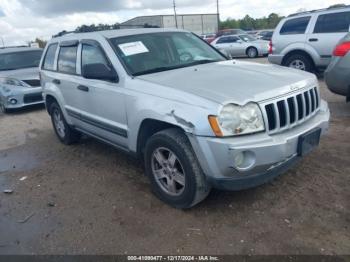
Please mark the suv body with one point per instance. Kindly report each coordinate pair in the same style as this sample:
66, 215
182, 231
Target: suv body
19, 78
337, 75
192, 131
306, 40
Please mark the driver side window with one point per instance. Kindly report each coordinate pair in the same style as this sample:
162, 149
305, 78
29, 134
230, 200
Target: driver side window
93, 55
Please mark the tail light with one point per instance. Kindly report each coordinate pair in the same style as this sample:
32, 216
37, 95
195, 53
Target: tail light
270, 47
342, 49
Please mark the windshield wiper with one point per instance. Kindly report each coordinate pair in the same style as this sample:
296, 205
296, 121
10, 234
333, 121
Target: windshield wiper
166, 68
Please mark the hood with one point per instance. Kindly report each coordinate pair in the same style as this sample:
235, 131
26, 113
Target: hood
22, 74
234, 81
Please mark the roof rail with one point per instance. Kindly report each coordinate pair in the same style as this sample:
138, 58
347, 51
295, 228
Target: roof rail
5, 47
319, 10
63, 33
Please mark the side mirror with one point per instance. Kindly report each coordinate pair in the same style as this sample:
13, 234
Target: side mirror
99, 72
239, 41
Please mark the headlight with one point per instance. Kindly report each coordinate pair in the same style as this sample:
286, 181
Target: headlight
238, 120
12, 82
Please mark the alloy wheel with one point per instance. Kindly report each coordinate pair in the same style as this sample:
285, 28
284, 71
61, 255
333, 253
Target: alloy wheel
168, 171
298, 64
59, 124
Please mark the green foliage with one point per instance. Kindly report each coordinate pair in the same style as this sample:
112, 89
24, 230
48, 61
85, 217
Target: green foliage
249, 23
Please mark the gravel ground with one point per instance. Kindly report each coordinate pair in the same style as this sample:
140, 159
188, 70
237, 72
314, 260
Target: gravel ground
91, 199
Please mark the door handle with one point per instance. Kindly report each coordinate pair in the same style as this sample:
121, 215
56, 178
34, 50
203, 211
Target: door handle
313, 40
56, 81
83, 88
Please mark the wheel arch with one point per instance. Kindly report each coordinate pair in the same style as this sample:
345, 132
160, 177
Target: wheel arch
298, 52
148, 128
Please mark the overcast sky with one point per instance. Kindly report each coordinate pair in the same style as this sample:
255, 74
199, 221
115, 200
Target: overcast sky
23, 20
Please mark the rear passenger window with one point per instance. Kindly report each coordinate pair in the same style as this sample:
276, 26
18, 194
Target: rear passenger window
67, 59
92, 55
49, 61
333, 23
295, 26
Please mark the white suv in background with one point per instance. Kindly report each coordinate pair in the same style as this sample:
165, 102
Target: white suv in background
306, 40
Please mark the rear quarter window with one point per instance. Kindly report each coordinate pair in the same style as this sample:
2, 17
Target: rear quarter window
333, 23
67, 59
49, 60
295, 26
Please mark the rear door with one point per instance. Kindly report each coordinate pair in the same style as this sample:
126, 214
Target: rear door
292, 31
66, 78
327, 32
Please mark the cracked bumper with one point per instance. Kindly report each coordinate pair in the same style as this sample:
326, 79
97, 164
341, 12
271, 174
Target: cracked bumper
271, 155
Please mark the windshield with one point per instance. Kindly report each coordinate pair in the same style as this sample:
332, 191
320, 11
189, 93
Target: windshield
19, 60
247, 38
150, 53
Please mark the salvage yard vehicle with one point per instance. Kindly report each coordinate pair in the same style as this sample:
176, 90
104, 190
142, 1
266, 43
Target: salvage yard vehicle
241, 45
306, 40
19, 78
154, 93
337, 75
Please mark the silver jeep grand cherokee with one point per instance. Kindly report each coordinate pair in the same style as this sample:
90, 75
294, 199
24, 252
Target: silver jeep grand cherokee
197, 119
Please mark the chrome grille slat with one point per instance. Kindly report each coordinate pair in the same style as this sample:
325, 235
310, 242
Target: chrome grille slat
283, 113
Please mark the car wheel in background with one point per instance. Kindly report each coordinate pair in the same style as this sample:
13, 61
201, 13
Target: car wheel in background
174, 172
3, 109
299, 61
252, 52
66, 134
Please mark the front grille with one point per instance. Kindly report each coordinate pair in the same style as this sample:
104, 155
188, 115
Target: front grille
33, 82
32, 98
290, 111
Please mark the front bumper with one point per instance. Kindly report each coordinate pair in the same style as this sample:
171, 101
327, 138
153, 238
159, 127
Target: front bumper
270, 155
23, 98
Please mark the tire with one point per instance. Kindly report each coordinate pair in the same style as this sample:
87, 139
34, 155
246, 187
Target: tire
252, 52
193, 187
3, 109
299, 61
65, 133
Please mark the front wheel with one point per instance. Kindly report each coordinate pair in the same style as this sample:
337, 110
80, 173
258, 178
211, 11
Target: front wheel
66, 134
174, 172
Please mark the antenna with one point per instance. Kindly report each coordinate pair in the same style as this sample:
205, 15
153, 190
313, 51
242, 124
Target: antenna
175, 16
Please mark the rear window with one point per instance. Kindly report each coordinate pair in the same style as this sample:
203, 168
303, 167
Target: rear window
333, 23
67, 59
50, 57
20, 60
295, 26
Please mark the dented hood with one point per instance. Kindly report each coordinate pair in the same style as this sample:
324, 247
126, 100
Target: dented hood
234, 81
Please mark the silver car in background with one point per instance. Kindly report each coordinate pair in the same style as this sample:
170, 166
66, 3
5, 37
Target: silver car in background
337, 75
19, 78
241, 45
306, 40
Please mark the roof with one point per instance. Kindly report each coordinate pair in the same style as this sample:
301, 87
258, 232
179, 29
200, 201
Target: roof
115, 33
329, 9
18, 49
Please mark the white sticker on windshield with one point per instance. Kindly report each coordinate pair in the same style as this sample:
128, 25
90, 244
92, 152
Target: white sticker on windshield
133, 48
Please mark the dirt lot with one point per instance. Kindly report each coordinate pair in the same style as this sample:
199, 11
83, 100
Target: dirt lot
91, 199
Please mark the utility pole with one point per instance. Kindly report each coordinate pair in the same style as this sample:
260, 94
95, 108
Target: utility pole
175, 16
2, 39
218, 13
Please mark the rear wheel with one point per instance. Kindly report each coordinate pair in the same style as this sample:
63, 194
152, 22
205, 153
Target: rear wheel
65, 133
299, 61
174, 172
252, 52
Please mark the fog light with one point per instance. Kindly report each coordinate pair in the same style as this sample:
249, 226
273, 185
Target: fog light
13, 101
244, 160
